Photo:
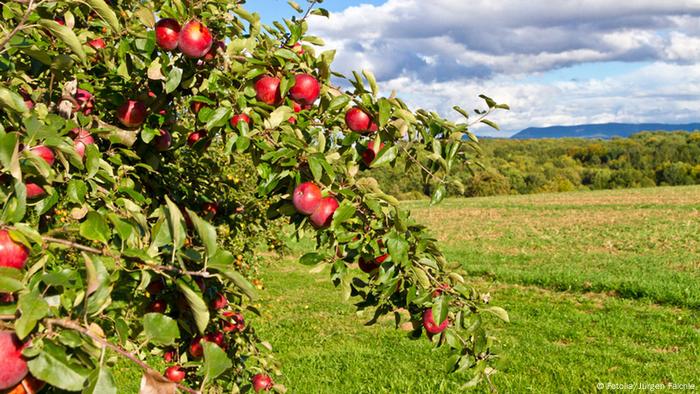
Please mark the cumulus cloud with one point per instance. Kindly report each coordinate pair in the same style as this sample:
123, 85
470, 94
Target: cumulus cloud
479, 38
442, 51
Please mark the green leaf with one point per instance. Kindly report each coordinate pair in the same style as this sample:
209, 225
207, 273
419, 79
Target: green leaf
12, 100
498, 312
384, 111
372, 82
440, 309
438, 195
216, 361
312, 258
160, 330
286, 54
279, 115
489, 101
338, 102
316, 167
176, 224
101, 381
105, 12
174, 79
386, 155
33, 308
239, 280
219, 118
345, 211
199, 309
76, 191
398, 248
9, 154
10, 280
207, 232
53, 367
99, 288
95, 228
65, 34
490, 123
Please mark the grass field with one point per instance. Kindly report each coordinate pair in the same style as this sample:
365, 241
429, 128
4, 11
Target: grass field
601, 287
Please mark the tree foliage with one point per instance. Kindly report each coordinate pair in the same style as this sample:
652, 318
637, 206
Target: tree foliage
558, 165
142, 233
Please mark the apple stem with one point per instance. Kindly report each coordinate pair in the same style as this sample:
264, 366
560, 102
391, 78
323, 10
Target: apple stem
71, 325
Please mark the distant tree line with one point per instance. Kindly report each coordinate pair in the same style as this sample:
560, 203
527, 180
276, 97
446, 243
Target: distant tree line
558, 165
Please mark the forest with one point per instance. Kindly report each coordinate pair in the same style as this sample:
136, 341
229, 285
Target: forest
505, 166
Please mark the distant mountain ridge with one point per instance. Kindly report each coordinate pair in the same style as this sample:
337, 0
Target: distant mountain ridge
601, 131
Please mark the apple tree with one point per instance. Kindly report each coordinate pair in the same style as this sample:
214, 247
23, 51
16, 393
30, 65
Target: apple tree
149, 148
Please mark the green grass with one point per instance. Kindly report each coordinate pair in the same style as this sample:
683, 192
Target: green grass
600, 287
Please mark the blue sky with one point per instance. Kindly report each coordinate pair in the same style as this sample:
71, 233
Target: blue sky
554, 62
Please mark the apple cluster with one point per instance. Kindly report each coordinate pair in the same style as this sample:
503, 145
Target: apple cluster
308, 200
12, 255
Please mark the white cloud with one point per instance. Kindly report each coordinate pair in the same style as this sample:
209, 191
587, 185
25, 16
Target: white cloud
447, 51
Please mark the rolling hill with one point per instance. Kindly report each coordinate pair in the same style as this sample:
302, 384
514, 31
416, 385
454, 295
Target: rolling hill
602, 131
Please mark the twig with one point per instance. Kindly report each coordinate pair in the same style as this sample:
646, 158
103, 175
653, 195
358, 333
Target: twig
8, 317
71, 325
75, 245
413, 159
30, 9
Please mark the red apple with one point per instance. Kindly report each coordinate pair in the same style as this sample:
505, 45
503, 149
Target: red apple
296, 106
60, 20
97, 43
370, 153
305, 90
298, 48
358, 120
81, 139
210, 208
12, 254
155, 287
175, 374
267, 90
7, 298
370, 265
196, 350
306, 198
167, 33
216, 337
195, 39
236, 119
169, 356
14, 367
262, 382
132, 113
34, 190
211, 55
45, 153
27, 99
323, 215
431, 327
220, 302
196, 136
86, 102
440, 289
197, 106
157, 306
163, 141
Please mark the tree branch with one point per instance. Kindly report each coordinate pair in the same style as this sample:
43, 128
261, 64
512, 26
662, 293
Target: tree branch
74, 245
71, 325
30, 9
